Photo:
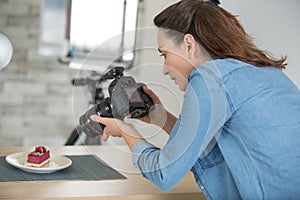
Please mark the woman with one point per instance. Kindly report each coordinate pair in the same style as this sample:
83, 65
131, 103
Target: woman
239, 128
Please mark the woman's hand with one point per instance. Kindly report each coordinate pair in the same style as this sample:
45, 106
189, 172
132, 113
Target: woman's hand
157, 114
118, 128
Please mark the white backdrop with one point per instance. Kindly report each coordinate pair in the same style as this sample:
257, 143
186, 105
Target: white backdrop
274, 25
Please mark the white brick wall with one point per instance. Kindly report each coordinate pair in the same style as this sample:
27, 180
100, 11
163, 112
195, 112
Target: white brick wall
35, 94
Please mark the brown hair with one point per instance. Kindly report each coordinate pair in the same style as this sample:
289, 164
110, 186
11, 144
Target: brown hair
217, 30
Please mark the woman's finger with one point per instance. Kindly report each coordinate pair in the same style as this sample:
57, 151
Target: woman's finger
148, 91
152, 95
97, 118
104, 136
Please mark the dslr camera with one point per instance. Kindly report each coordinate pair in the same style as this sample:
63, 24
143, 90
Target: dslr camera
126, 99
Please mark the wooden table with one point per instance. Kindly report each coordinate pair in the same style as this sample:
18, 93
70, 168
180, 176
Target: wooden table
118, 157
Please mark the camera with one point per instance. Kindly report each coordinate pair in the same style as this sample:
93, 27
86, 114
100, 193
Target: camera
126, 99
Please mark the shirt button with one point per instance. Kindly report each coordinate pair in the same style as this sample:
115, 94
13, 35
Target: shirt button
202, 187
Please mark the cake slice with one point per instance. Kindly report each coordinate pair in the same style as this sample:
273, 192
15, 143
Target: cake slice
39, 157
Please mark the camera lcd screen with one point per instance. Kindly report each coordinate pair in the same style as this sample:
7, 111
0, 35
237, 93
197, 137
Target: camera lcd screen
133, 95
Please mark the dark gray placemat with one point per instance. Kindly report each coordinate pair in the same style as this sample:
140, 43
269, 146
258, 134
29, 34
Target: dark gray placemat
84, 167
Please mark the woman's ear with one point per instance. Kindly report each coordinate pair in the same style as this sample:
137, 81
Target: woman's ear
190, 44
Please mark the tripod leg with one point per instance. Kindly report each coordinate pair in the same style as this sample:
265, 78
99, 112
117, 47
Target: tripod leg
92, 141
74, 136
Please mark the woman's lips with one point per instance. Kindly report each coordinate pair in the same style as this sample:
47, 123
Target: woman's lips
174, 79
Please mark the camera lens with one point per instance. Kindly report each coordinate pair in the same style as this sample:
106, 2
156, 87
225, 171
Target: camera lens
91, 128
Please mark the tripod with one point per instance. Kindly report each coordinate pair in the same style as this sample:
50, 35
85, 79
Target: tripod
92, 82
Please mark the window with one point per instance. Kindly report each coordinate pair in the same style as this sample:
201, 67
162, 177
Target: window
102, 30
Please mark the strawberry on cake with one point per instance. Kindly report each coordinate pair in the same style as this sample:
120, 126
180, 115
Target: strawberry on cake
39, 157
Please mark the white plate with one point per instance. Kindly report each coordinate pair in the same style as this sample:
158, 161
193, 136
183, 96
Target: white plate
57, 162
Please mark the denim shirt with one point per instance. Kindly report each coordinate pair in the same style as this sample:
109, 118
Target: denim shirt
238, 132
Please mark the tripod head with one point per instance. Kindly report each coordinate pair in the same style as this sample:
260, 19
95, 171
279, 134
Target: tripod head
93, 85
